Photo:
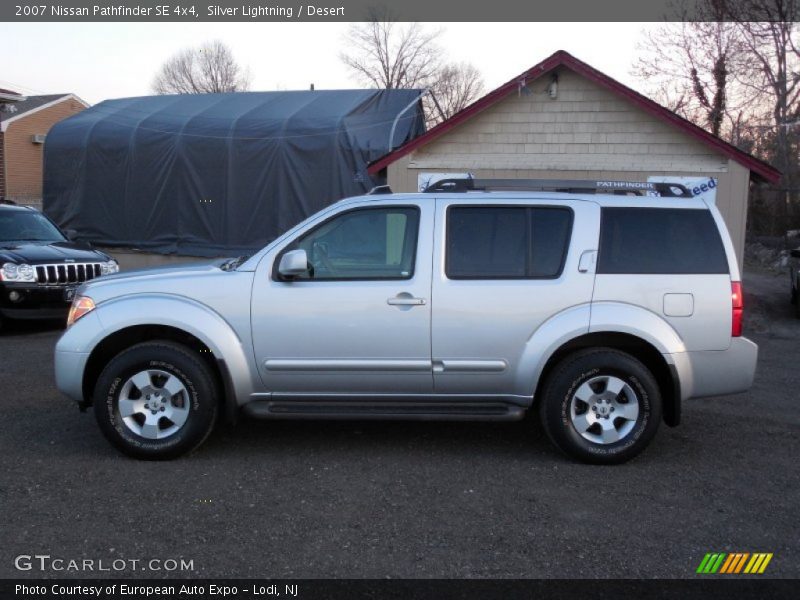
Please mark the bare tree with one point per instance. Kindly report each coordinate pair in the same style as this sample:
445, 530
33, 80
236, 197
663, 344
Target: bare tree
687, 66
456, 87
772, 70
740, 61
207, 69
382, 53
385, 54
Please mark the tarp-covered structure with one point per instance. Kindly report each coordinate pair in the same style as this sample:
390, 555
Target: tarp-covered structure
217, 174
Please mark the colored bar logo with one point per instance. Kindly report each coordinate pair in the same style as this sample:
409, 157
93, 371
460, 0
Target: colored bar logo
734, 563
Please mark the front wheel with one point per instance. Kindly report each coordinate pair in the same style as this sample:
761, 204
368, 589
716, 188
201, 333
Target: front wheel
156, 400
601, 406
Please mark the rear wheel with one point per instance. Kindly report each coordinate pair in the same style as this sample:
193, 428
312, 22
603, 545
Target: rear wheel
156, 400
601, 406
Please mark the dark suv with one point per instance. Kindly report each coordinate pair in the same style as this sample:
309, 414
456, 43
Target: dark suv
39, 267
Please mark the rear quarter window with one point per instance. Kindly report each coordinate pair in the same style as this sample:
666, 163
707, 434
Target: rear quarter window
660, 241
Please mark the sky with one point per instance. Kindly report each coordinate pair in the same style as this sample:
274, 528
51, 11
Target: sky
98, 61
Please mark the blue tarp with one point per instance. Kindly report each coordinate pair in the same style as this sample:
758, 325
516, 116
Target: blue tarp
216, 174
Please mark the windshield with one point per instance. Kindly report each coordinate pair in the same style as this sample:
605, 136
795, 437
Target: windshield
27, 226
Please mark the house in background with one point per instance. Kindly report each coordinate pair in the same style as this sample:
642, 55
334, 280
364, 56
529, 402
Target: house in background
563, 119
24, 124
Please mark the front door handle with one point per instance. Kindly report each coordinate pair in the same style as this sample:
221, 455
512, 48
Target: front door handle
405, 300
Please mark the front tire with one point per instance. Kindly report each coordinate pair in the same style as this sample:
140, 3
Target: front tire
601, 406
156, 401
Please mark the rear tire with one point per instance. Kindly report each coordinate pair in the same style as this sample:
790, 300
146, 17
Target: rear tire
156, 400
601, 406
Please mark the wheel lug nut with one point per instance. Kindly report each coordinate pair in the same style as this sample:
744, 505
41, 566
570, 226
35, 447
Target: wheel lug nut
163, 408
147, 397
594, 408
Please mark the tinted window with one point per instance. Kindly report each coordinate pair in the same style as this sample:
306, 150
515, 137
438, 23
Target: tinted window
506, 242
18, 225
377, 243
660, 240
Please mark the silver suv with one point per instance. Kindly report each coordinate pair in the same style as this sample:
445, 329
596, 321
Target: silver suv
601, 309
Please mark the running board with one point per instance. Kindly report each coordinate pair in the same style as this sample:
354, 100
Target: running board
412, 411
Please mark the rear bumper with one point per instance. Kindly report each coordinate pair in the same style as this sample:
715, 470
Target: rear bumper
717, 372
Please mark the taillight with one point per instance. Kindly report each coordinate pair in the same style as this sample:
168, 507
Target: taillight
737, 307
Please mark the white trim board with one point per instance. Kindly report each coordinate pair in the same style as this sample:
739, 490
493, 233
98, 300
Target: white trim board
4, 124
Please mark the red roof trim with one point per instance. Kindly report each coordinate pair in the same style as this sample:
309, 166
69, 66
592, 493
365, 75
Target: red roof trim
562, 58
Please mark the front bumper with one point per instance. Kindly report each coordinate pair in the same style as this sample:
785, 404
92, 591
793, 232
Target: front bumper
69, 368
72, 354
34, 301
716, 372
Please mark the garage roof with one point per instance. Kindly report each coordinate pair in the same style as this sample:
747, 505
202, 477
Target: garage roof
758, 168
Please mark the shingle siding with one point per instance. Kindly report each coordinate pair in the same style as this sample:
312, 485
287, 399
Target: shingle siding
585, 127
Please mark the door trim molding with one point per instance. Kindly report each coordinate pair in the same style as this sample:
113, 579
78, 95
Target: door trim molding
348, 365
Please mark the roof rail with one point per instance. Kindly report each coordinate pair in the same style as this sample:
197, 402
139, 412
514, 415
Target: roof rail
572, 186
379, 189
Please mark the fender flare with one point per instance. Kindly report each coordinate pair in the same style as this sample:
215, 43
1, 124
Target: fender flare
599, 317
559, 329
638, 322
186, 314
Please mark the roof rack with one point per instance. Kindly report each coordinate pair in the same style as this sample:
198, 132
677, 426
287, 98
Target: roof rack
572, 186
379, 190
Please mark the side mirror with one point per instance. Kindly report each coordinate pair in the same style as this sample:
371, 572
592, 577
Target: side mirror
293, 263
795, 253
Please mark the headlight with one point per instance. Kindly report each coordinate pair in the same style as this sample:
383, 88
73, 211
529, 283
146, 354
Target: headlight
110, 267
81, 305
26, 273
20, 273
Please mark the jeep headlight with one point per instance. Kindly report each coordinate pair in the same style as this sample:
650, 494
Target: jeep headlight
19, 273
109, 267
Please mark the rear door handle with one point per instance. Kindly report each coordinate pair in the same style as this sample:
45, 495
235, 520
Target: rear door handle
403, 300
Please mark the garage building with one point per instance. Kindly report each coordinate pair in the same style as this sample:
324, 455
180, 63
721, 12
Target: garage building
563, 119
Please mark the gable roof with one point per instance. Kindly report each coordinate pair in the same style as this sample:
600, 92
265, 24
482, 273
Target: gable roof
31, 104
561, 58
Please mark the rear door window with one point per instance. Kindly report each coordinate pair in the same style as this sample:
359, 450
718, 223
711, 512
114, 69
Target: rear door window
660, 241
507, 242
